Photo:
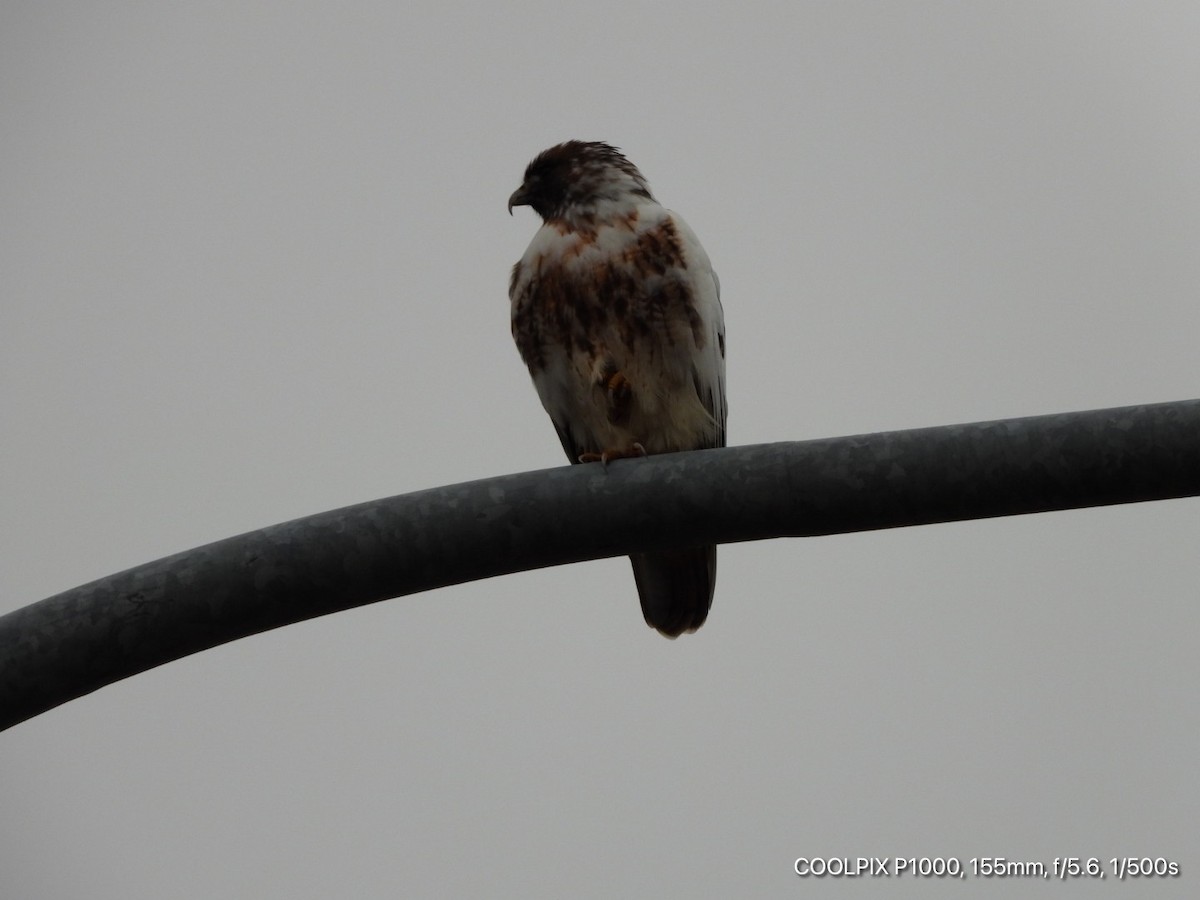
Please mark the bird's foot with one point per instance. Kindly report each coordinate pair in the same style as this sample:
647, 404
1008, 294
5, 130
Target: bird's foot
613, 387
619, 389
618, 395
608, 455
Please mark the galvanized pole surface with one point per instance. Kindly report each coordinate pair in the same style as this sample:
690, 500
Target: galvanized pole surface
83, 639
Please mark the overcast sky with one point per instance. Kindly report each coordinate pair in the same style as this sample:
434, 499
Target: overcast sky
253, 266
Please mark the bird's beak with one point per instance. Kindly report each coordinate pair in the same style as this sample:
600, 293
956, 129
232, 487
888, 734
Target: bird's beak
518, 198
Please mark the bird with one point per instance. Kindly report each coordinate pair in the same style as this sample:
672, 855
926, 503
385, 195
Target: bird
616, 312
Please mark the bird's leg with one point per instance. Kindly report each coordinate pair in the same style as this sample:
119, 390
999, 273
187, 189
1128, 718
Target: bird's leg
618, 392
620, 396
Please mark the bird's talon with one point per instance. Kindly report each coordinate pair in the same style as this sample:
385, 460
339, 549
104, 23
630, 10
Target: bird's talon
607, 455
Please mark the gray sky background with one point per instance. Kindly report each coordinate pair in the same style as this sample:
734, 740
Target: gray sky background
253, 265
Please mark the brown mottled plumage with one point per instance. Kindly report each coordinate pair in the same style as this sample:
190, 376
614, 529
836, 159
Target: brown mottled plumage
617, 313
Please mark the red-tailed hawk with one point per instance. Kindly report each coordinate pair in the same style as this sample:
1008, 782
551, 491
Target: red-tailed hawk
617, 313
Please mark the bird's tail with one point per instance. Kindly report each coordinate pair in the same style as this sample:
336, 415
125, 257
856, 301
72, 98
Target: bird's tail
676, 587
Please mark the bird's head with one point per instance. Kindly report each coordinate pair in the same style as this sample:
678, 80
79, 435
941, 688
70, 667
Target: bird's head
580, 178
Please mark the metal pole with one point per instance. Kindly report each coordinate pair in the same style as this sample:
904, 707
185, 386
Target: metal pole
80, 640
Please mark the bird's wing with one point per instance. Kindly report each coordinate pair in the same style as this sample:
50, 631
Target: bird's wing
708, 362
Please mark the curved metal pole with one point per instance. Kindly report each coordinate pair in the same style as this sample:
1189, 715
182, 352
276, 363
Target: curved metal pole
85, 638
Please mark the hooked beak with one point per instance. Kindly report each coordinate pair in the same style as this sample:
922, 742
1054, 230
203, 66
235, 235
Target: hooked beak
519, 198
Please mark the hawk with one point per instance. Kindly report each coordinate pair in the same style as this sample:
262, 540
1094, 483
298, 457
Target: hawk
617, 313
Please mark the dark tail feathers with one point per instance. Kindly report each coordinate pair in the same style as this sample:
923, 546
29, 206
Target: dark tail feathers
676, 587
